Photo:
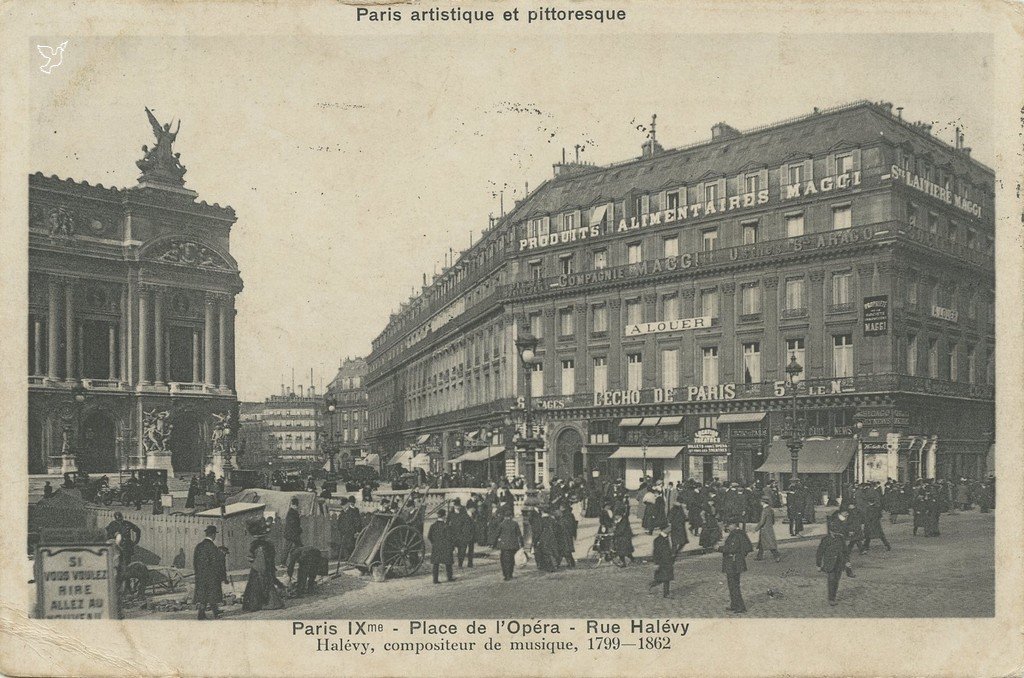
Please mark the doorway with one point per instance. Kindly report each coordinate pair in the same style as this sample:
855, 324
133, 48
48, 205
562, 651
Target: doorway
97, 448
186, 443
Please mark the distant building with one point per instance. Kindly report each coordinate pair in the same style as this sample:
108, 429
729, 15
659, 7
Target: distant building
283, 428
349, 421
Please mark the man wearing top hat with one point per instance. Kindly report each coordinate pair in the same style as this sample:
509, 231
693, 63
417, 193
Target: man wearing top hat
209, 564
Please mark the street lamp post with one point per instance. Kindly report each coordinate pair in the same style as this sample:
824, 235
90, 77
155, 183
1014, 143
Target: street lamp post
793, 372
332, 445
526, 345
69, 457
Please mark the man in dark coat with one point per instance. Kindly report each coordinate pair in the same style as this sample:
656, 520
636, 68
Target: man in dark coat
831, 559
623, 539
677, 524
873, 521
441, 545
569, 529
209, 564
766, 532
312, 562
508, 538
463, 533
546, 543
734, 562
126, 535
292, 531
664, 556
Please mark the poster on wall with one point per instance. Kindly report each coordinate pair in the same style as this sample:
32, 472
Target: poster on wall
876, 315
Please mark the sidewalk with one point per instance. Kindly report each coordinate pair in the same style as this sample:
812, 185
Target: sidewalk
642, 542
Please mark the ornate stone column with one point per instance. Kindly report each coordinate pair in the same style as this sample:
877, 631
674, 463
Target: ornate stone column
208, 376
37, 349
222, 344
727, 344
111, 352
51, 331
195, 357
158, 336
69, 330
143, 333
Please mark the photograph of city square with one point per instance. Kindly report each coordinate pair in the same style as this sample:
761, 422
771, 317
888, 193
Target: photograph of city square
508, 348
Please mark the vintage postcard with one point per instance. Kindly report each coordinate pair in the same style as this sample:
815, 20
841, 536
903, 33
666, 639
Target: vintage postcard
503, 338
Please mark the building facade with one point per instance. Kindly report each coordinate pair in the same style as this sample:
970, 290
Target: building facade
669, 292
347, 425
130, 323
294, 422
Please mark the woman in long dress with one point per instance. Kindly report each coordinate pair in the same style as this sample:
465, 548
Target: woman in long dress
263, 590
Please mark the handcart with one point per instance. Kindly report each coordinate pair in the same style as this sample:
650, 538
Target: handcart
392, 542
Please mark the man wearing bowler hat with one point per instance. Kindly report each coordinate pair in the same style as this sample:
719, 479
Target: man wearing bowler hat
209, 564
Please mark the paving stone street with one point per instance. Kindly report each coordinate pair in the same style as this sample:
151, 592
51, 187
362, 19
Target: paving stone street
951, 575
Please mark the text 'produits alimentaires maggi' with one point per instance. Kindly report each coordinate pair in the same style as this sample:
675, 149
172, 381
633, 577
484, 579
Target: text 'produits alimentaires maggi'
470, 16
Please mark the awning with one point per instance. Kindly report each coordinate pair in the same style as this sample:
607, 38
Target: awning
650, 421
369, 460
671, 421
478, 455
660, 452
829, 455
633, 421
421, 461
401, 457
741, 417
423, 438
598, 216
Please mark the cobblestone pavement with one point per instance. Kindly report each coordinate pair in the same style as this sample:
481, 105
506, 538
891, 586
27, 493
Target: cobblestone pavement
950, 575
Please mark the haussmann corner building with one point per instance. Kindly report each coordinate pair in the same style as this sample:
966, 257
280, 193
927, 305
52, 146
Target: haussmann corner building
670, 292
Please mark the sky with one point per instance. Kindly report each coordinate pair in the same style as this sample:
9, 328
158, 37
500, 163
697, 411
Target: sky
354, 165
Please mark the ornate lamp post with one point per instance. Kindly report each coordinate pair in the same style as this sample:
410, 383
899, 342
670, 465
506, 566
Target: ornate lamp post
793, 372
331, 448
526, 346
73, 438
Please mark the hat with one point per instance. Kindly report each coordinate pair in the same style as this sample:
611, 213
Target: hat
256, 527
211, 529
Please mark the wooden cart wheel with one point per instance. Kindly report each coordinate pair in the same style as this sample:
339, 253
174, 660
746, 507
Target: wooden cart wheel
402, 551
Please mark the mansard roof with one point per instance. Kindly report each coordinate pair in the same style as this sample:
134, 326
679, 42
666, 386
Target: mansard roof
851, 126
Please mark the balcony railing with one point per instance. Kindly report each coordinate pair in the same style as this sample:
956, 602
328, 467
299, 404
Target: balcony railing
750, 317
187, 387
104, 384
846, 307
790, 313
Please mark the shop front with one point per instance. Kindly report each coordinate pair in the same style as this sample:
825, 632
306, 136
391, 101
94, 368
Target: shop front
823, 464
650, 447
747, 439
708, 457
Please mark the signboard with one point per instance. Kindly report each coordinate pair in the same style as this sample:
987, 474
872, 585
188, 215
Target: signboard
707, 441
876, 316
874, 446
934, 190
76, 581
667, 326
947, 314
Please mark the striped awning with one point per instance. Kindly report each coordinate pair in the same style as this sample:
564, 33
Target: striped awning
401, 457
741, 417
478, 455
632, 421
654, 452
828, 455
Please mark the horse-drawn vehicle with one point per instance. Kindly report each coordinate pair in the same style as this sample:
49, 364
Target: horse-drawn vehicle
392, 542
